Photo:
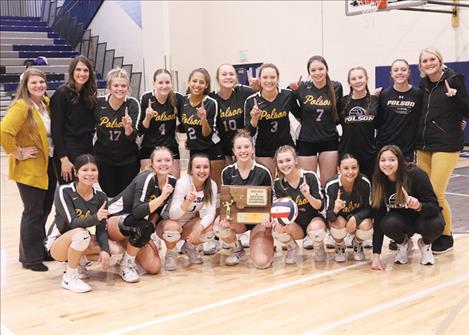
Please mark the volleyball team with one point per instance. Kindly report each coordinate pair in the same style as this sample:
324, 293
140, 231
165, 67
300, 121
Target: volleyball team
361, 185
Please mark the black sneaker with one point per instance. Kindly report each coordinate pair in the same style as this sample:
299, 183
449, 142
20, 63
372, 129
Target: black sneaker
39, 267
442, 244
392, 245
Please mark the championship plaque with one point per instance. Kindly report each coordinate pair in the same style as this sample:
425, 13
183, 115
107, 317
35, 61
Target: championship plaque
245, 204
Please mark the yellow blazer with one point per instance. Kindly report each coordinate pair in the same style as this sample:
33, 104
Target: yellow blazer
17, 131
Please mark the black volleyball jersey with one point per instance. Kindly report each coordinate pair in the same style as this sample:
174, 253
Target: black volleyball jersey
258, 176
398, 117
306, 212
112, 146
72, 211
273, 128
162, 128
317, 122
357, 203
192, 124
136, 196
357, 118
231, 113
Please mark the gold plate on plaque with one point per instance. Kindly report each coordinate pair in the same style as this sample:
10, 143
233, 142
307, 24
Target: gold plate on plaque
245, 204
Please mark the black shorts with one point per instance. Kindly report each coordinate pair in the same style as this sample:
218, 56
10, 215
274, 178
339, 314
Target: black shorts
214, 153
304, 226
312, 149
145, 153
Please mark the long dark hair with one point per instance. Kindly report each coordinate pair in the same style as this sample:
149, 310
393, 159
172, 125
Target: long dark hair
208, 182
380, 179
206, 77
330, 87
359, 185
83, 160
89, 89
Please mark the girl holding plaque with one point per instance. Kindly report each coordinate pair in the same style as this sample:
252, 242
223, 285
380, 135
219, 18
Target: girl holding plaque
304, 188
246, 171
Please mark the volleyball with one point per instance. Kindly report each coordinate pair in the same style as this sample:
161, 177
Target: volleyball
284, 211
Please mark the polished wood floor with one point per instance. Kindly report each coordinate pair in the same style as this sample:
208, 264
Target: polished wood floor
310, 298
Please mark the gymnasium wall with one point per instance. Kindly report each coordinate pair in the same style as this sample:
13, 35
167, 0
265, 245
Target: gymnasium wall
288, 33
118, 26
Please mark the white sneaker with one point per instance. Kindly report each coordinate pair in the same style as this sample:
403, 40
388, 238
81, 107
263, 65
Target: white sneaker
192, 253
403, 252
171, 260
319, 252
329, 242
427, 257
292, 251
308, 243
74, 284
244, 238
157, 240
235, 255
211, 247
358, 253
128, 272
349, 240
179, 246
340, 255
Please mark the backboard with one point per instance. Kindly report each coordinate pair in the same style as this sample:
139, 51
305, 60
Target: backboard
359, 7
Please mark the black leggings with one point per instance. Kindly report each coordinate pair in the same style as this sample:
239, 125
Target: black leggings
113, 179
397, 226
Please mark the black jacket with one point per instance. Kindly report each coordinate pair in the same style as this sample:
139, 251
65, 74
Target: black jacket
440, 122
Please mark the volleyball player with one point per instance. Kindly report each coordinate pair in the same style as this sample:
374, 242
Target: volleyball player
399, 110
135, 212
406, 204
245, 171
357, 112
317, 144
267, 116
117, 117
79, 207
230, 99
304, 189
191, 212
198, 118
348, 208
160, 109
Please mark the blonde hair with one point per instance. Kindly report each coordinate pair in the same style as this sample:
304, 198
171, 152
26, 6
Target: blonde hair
22, 92
434, 52
280, 150
118, 73
226, 64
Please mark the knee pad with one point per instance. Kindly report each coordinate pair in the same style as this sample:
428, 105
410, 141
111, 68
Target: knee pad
338, 233
281, 237
81, 240
364, 235
171, 236
138, 231
317, 235
221, 232
207, 237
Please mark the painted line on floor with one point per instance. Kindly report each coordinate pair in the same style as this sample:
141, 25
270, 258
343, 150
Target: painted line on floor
449, 319
242, 297
5, 330
458, 194
391, 304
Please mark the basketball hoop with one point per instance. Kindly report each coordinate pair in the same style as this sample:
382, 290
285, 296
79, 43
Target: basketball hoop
356, 7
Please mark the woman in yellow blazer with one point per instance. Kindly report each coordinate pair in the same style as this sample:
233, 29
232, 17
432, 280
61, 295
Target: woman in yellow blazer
26, 137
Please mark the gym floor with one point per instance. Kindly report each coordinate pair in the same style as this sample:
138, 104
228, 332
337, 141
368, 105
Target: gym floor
309, 298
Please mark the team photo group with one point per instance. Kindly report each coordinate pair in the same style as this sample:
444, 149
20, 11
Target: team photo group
360, 166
